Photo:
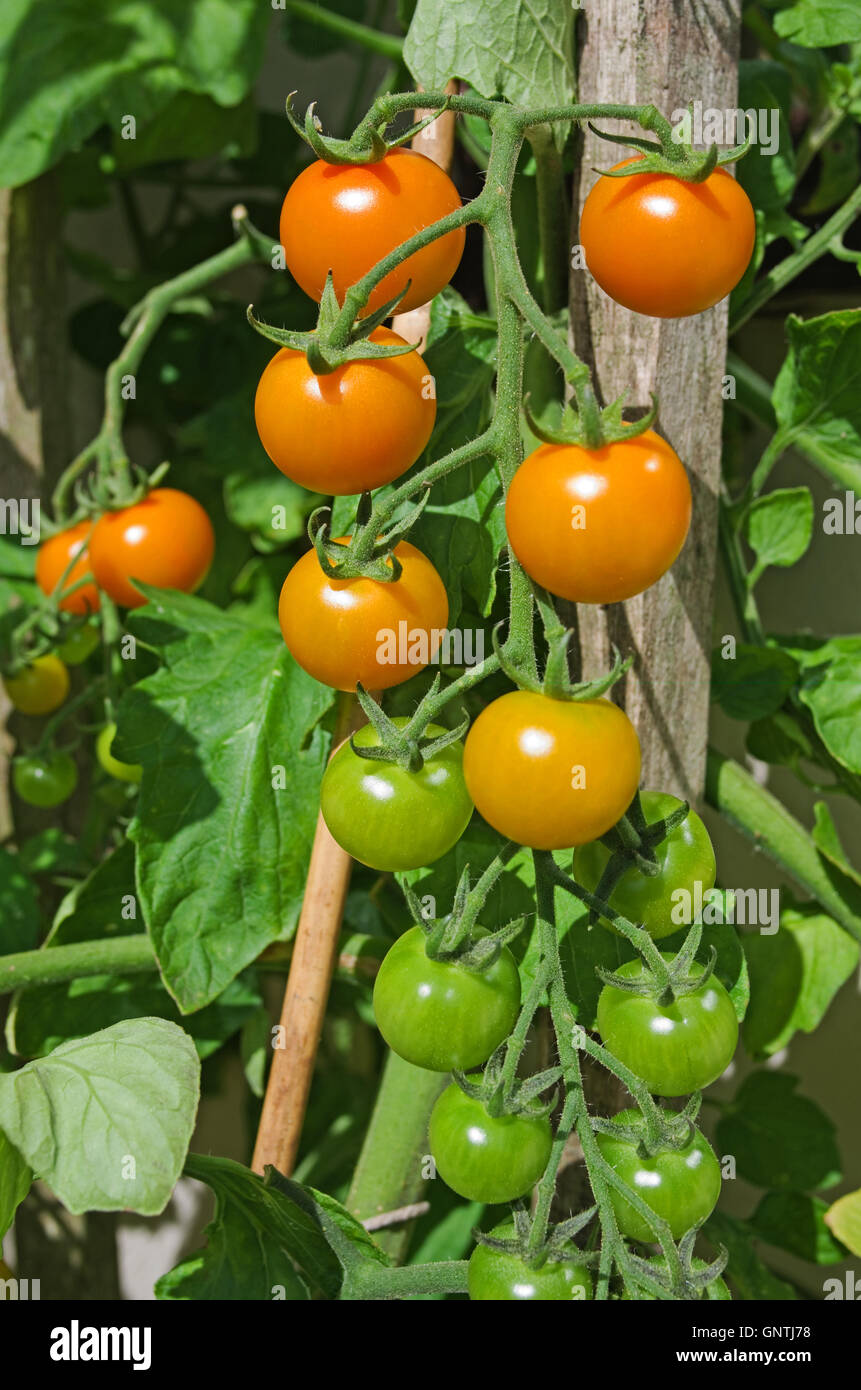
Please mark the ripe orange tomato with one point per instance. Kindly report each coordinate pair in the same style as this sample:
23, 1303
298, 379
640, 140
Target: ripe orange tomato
599, 525
350, 430
346, 217
342, 631
166, 540
664, 247
51, 561
549, 773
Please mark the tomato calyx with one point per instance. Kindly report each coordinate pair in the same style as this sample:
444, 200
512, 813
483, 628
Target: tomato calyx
556, 1246
689, 1281
335, 340
590, 426
367, 145
666, 978
653, 1132
633, 842
556, 682
669, 154
367, 553
501, 1095
457, 938
406, 742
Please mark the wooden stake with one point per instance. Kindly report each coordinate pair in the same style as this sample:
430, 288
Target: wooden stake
314, 953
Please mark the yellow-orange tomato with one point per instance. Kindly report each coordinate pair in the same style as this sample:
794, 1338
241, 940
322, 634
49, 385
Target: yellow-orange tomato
39, 688
599, 525
346, 217
349, 430
664, 247
549, 773
346, 631
165, 540
54, 555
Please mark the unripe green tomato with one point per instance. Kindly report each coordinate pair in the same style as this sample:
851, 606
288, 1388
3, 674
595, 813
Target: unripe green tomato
685, 857
45, 781
487, 1158
494, 1275
80, 642
440, 1014
680, 1185
124, 772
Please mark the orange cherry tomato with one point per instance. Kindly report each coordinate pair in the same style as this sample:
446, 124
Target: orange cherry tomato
39, 688
346, 217
51, 561
599, 525
549, 773
350, 430
343, 631
165, 540
664, 247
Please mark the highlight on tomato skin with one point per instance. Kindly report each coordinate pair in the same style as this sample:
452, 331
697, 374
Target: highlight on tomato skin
350, 430
358, 213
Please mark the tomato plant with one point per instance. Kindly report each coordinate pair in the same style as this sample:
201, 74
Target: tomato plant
548, 773
453, 537
349, 631
484, 1157
667, 248
392, 817
659, 902
441, 1014
495, 1275
599, 525
362, 212
315, 428
41, 687
677, 1047
45, 781
165, 540
57, 555
681, 1186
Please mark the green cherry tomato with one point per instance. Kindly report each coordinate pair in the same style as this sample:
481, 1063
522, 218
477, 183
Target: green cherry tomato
680, 1185
495, 1275
686, 858
487, 1158
440, 1014
389, 817
78, 645
45, 781
675, 1048
124, 772
39, 688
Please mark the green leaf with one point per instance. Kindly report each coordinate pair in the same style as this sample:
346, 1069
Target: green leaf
768, 179
52, 851
191, 126
752, 1278
66, 70
839, 171
247, 1242
844, 1219
20, 917
15, 1180
827, 841
819, 23
105, 1121
254, 1043
794, 974
795, 1221
779, 526
754, 682
778, 739
818, 388
221, 853
508, 48
779, 1140
832, 693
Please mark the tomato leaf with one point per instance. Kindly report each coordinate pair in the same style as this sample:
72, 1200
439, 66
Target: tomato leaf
15, 1180
811, 24
221, 853
753, 683
20, 916
767, 178
818, 388
752, 1278
827, 841
832, 693
779, 1139
844, 1219
105, 1120
507, 48
779, 526
795, 1221
795, 973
